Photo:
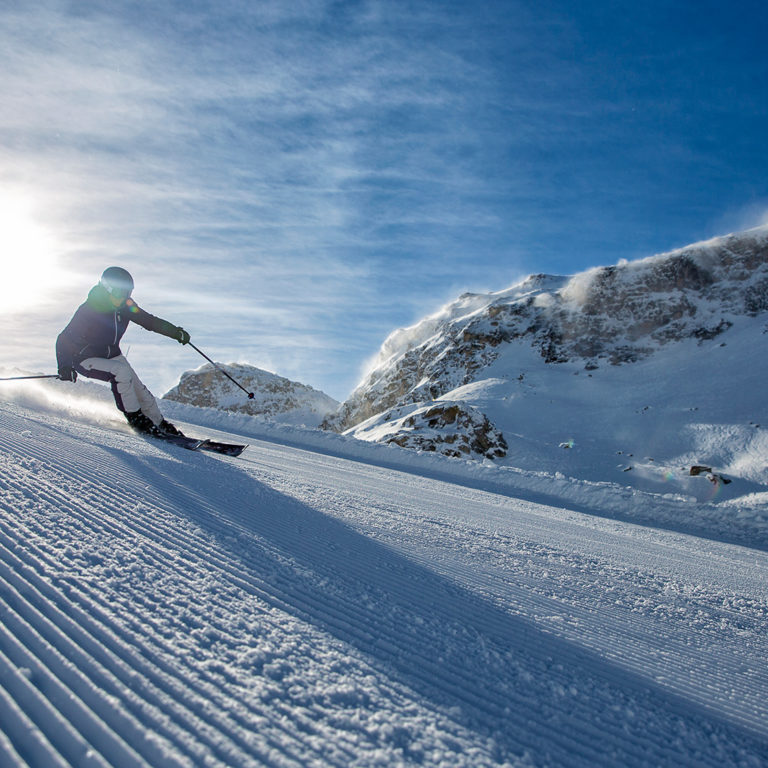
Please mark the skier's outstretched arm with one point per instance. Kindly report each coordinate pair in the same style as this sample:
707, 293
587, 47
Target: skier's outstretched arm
156, 324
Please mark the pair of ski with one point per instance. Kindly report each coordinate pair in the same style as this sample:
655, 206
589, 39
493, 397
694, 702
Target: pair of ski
194, 444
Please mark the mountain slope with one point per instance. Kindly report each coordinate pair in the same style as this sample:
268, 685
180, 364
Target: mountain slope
608, 315
290, 608
635, 367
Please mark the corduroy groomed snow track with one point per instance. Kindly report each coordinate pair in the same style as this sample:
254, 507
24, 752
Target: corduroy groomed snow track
288, 608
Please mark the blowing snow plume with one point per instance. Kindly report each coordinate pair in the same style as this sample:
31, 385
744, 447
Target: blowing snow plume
84, 401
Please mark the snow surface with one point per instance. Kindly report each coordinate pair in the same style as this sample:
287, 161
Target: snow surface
325, 602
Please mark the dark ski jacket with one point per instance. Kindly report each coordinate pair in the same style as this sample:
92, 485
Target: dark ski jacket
97, 326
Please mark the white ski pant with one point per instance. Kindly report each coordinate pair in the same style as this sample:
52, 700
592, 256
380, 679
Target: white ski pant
130, 393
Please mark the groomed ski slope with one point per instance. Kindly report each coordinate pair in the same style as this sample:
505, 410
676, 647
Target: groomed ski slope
291, 608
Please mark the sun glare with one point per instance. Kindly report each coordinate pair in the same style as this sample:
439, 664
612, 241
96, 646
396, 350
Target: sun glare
28, 256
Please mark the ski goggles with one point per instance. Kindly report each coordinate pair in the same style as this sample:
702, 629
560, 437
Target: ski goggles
118, 291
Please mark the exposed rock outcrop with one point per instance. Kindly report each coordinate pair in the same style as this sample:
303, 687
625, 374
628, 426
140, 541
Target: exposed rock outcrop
275, 396
450, 428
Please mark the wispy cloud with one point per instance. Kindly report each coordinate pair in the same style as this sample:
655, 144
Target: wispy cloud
245, 163
291, 181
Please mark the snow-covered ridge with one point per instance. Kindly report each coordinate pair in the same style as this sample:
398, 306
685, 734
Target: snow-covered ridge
467, 306
607, 315
274, 396
633, 374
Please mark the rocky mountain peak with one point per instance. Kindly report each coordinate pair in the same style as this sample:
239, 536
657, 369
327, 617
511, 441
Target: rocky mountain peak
275, 396
607, 316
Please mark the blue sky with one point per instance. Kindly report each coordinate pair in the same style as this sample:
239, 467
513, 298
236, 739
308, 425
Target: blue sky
293, 181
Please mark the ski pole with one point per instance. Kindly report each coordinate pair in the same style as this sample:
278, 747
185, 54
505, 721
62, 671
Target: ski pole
219, 368
18, 378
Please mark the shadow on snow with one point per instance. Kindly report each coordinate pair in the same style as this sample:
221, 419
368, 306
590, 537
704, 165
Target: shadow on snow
494, 673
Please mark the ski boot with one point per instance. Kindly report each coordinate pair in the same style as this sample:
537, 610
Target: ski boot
166, 428
142, 423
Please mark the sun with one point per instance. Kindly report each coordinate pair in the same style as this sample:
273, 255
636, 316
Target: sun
27, 254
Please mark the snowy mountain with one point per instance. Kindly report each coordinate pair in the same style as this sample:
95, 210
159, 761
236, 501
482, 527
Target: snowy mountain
647, 368
321, 601
274, 396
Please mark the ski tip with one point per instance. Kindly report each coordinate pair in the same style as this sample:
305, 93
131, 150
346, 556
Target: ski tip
227, 449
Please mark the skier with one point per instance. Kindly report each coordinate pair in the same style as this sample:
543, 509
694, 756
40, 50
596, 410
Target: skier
90, 346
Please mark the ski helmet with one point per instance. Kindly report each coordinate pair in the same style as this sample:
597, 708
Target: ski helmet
118, 282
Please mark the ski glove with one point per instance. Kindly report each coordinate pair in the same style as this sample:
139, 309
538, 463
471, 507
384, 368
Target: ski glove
182, 336
67, 374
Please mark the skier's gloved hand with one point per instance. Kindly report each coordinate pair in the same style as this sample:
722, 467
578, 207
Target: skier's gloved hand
182, 336
67, 374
